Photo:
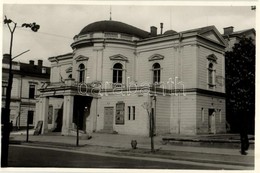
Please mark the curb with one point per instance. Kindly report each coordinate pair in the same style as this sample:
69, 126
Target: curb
210, 143
183, 158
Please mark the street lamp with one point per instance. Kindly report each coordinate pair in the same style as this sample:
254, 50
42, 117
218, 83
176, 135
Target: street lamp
6, 111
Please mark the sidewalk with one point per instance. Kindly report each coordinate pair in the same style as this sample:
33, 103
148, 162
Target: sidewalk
122, 142
116, 145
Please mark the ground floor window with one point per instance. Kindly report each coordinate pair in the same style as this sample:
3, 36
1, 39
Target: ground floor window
131, 112
4, 89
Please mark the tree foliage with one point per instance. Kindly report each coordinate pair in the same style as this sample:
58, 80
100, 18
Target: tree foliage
240, 83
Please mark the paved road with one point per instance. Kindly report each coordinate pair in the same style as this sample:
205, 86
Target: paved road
24, 156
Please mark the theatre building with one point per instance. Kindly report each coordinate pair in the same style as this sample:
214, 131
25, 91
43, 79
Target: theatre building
117, 75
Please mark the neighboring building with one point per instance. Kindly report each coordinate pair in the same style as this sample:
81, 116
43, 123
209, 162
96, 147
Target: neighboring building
116, 69
233, 37
27, 78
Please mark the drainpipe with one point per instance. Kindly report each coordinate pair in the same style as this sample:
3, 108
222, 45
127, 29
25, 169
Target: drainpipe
155, 100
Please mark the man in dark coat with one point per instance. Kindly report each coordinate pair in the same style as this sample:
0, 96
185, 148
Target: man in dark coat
243, 135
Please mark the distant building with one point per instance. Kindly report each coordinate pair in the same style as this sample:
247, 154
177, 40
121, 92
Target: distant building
26, 80
117, 74
233, 37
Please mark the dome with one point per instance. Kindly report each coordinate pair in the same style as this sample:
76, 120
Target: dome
168, 32
113, 26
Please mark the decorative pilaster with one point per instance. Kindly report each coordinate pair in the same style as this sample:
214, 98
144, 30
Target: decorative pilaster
68, 103
44, 114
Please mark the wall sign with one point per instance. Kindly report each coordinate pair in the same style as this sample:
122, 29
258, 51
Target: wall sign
120, 113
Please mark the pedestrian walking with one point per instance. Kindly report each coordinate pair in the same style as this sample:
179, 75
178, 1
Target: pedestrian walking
244, 135
10, 126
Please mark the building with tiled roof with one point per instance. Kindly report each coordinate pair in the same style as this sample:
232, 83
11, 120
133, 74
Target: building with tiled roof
233, 37
27, 78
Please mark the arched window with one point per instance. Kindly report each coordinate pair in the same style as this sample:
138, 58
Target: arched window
156, 73
118, 73
211, 74
81, 73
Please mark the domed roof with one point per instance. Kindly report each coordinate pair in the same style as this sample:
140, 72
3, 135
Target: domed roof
113, 26
168, 32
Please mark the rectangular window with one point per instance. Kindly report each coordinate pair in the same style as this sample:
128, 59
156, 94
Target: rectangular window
31, 91
129, 112
133, 112
30, 117
202, 114
4, 88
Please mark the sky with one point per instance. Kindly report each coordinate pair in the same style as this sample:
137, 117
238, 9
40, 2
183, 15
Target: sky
59, 23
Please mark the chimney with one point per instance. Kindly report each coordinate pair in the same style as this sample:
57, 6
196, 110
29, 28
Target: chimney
153, 31
31, 62
39, 63
7, 56
228, 30
161, 24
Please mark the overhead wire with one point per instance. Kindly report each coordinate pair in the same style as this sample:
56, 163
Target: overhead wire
44, 33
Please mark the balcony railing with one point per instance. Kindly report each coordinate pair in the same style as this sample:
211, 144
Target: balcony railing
106, 35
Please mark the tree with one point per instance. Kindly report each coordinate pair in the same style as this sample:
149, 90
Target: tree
240, 84
147, 106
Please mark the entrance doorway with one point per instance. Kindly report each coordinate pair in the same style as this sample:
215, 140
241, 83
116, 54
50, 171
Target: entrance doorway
58, 115
211, 121
108, 118
81, 112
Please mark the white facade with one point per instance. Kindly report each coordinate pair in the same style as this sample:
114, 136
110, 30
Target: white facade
180, 76
22, 101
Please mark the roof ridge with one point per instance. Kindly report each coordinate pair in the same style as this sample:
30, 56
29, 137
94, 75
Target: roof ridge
198, 29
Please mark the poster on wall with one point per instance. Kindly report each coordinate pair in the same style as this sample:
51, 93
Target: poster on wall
50, 112
120, 113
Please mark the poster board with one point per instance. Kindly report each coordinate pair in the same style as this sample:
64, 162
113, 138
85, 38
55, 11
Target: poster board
38, 128
120, 113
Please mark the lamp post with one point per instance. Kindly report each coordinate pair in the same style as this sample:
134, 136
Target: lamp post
152, 121
6, 111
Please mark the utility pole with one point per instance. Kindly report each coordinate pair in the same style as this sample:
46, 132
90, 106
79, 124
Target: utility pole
6, 111
77, 139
